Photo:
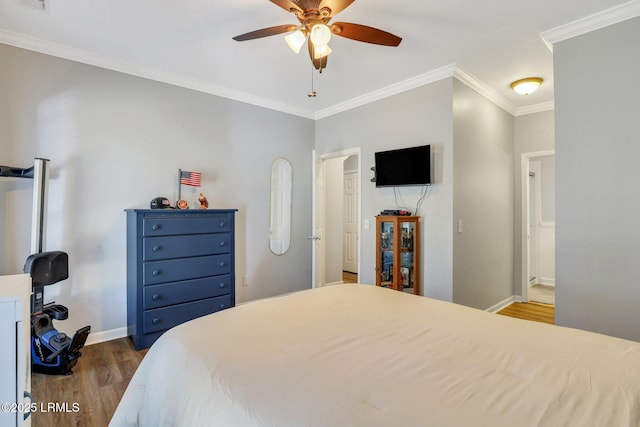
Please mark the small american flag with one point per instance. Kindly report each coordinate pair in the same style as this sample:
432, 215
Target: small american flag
190, 178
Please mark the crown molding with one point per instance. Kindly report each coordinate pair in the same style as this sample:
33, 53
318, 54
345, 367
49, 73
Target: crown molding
451, 70
590, 23
484, 90
536, 108
88, 58
394, 89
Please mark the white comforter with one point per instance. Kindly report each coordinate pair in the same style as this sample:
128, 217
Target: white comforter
358, 355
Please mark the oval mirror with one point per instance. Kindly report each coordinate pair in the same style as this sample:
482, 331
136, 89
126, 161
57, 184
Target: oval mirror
280, 206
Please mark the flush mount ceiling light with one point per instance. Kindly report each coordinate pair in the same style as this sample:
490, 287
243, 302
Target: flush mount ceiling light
315, 30
526, 86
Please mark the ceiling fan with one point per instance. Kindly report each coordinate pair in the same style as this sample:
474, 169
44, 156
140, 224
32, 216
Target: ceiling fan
314, 28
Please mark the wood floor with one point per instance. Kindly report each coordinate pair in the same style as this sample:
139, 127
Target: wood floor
348, 277
96, 386
531, 311
104, 371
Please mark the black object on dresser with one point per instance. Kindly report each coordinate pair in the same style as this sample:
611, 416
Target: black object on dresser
180, 265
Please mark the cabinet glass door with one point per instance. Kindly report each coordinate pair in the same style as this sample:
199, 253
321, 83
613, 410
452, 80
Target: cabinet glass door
407, 244
386, 253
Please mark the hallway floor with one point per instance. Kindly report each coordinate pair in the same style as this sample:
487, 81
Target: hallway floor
544, 294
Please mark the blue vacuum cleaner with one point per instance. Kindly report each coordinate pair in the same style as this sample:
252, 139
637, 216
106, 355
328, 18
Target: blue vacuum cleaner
52, 352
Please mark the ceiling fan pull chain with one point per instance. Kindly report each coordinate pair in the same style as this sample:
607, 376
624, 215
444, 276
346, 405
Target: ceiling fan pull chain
313, 93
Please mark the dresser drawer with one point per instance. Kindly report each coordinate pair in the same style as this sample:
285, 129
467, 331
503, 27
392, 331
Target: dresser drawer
189, 290
174, 270
164, 318
156, 248
177, 225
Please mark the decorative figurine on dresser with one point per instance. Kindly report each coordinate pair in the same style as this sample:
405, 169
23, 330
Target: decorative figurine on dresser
180, 265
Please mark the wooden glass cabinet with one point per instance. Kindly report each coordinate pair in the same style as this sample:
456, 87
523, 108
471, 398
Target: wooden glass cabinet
397, 252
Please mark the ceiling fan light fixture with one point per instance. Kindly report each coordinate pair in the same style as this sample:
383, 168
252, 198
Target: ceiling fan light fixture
321, 51
527, 86
295, 40
320, 34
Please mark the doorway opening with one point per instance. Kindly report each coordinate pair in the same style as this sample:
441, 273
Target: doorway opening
336, 217
538, 227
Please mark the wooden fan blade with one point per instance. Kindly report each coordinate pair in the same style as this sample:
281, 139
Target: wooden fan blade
362, 33
265, 32
287, 5
319, 64
336, 6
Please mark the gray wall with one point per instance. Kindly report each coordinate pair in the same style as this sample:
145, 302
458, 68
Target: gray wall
417, 117
532, 133
116, 141
598, 196
482, 200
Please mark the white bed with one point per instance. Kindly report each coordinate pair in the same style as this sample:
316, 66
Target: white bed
359, 355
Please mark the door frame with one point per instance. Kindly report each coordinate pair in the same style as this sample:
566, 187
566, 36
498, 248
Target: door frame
318, 205
524, 217
533, 227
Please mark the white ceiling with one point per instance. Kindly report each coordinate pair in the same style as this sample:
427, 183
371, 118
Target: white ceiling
487, 44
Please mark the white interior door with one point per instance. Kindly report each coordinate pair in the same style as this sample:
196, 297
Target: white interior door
317, 222
351, 221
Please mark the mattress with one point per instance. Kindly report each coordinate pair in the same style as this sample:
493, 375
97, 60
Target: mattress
360, 355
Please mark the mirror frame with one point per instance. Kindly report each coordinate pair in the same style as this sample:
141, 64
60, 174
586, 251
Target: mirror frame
281, 191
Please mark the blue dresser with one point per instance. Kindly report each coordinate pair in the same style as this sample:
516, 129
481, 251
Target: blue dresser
180, 265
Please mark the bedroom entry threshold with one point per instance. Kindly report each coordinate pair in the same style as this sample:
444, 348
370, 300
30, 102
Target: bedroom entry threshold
348, 277
534, 311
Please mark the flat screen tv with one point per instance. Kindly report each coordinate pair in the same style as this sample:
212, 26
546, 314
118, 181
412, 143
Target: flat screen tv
405, 166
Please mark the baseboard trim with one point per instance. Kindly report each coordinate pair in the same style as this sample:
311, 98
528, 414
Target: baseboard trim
102, 336
542, 281
499, 306
340, 282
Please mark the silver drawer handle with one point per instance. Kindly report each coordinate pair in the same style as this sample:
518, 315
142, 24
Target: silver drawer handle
155, 248
222, 224
155, 272
154, 227
222, 306
222, 264
222, 285
222, 243
155, 321
155, 297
